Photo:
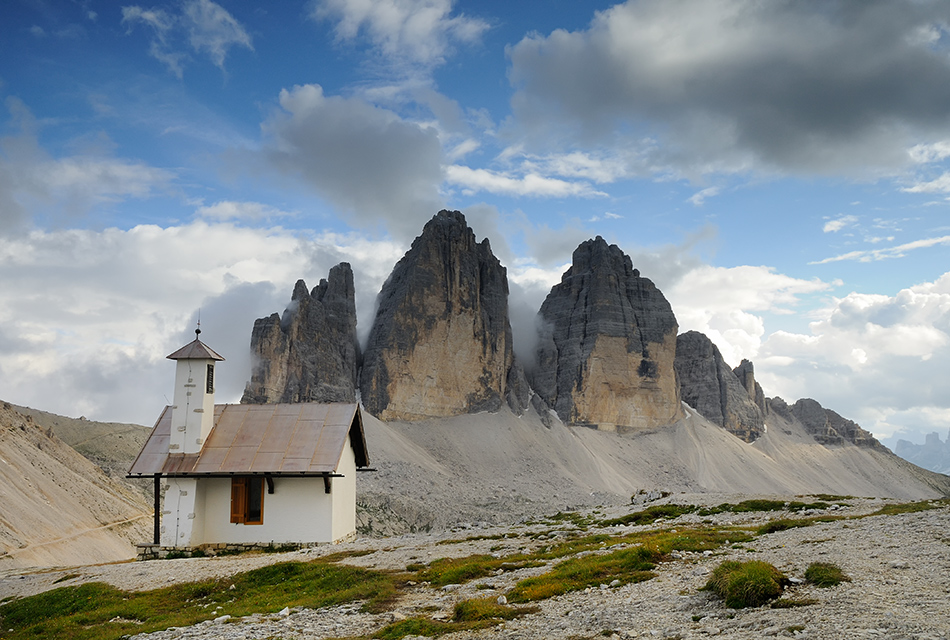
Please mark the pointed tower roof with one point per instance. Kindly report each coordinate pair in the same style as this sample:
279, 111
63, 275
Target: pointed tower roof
195, 350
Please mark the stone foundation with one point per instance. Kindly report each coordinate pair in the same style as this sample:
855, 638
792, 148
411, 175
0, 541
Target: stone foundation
148, 551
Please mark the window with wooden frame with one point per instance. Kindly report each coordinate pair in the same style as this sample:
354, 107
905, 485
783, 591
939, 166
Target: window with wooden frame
247, 500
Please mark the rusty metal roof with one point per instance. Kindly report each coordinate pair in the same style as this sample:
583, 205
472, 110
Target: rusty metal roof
276, 439
195, 350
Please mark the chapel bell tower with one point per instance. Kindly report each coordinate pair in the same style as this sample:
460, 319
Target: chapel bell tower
193, 408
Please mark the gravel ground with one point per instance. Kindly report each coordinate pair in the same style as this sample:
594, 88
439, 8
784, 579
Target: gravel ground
899, 565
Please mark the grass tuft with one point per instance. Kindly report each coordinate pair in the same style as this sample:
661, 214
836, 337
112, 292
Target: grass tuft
628, 565
825, 574
746, 584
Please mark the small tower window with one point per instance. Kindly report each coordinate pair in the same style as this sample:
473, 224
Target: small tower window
209, 380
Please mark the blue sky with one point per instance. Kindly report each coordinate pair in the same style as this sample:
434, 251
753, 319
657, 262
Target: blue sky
780, 170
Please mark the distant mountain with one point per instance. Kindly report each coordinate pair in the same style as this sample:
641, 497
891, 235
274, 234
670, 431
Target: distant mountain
57, 507
934, 454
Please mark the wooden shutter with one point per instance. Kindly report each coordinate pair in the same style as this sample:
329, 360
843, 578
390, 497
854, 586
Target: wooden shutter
238, 499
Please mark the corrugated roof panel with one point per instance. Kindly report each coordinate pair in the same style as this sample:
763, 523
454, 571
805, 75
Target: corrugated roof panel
276, 438
211, 460
315, 412
305, 439
238, 459
295, 465
280, 432
178, 464
266, 462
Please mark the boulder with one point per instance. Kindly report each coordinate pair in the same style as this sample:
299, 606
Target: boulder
708, 385
607, 344
441, 344
310, 353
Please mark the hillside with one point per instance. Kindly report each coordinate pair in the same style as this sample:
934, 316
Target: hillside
57, 507
109, 445
503, 468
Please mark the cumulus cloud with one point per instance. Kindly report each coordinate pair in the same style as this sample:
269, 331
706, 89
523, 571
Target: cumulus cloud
839, 223
419, 32
730, 84
366, 160
209, 27
876, 359
729, 304
88, 317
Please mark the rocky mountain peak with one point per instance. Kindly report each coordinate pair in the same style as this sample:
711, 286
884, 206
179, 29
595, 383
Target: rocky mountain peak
719, 394
441, 341
309, 353
828, 427
607, 344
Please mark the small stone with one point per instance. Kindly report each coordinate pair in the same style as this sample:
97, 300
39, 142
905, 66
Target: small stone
222, 619
502, 600
283, 613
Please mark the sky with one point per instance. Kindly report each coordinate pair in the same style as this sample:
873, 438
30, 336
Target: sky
781, 171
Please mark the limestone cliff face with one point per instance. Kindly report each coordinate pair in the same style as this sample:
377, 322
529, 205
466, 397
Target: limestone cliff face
708, 385
826, 426
607, 345
746, 374
311, 353
441, 341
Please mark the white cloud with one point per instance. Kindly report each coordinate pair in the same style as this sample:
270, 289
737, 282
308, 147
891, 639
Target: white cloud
531, 184
213, 30
839, 223
32, 183
728, 304
875, 359
414, 31
899, 251
369, 162
248, 211
699, 198
698, 81
937, 185
87, 317
210, 29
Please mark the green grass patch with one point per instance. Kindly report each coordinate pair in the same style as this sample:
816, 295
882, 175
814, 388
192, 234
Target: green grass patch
478, 609
910, 507
83, 612
443, 571
629, 565
650, 515
792, 603
746, 584
825, 574
783, 524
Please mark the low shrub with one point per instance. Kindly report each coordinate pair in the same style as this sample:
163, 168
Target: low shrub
825, 574
746, 584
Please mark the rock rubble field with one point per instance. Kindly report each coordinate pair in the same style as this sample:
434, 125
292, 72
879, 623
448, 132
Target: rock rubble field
898, 564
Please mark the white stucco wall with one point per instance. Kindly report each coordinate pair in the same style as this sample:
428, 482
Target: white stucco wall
344, 495
299, 510
182, 511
